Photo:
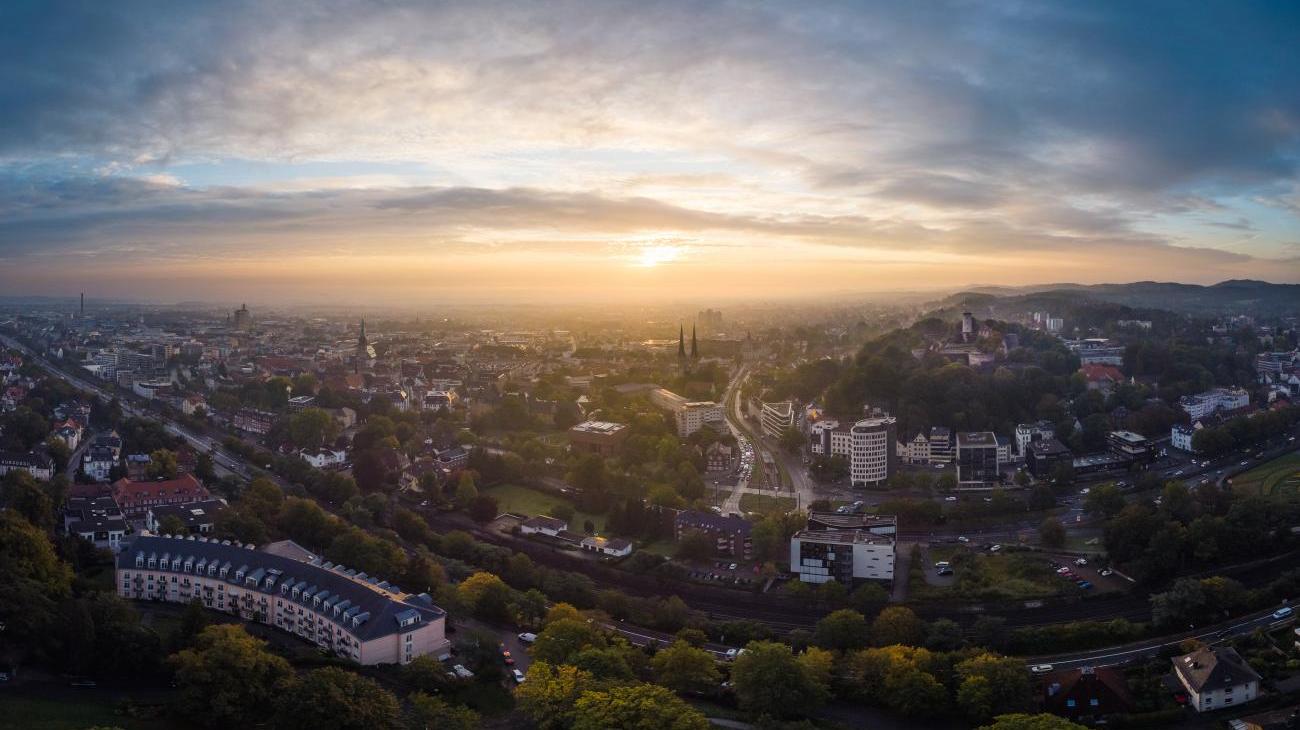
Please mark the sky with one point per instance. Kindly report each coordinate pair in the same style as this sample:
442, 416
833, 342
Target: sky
389, 152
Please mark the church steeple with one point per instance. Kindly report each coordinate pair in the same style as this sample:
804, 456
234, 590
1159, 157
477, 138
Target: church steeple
695, 345
362, 346
681, 341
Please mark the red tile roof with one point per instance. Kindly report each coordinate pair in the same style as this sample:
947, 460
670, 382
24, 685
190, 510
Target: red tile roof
184, 488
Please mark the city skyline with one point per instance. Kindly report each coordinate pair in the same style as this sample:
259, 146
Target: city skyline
574, 152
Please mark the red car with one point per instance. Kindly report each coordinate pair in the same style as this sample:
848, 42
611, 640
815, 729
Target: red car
505, 654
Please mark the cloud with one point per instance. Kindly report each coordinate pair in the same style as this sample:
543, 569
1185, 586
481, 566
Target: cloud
1007, 129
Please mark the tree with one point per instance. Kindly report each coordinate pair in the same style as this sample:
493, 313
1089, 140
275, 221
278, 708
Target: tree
32, 576
483, 508
1020, 721
561, 640
466, 491
162, 464
842, 630
769, 680
819, 664
423, 574
992, 685
229, 678
336, 699
695, 545
869, 598
431, 713
636, 707
684, 668
485, 595
23, 494
560, 611
312, 428
944, 634
549, 693
1051, 532
1104, 499
59, 453
172, 525
897, 625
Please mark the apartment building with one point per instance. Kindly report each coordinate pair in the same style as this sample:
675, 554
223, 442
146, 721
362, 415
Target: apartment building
1027, 433
39, 465
731, 534
338, 609
1218, 399
977, 458
135, 498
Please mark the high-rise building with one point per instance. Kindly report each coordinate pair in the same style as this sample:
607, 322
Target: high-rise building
872, 458
977, 458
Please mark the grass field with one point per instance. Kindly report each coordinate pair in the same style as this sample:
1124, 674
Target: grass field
765, 504
1279, 477
524, 500
32, 713
984, 577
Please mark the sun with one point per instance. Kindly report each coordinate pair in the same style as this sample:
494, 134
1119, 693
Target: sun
652, 256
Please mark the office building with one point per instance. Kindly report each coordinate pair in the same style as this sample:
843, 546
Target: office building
1130, 446
831, 550
977, 459
872, 457
1044, 455
776, 418
339, 610
941, 451
1027, 433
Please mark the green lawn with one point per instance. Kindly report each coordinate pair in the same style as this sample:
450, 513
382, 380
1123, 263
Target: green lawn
1279, 477
524, 500
985, 577
30, 713
765, 504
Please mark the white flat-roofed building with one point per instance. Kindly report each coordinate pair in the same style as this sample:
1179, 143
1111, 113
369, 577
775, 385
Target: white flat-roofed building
776, 418
1180, 436
844, 555
687, 415
1027, 433
339, 610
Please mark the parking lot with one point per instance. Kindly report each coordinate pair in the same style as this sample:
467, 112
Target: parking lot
744, 573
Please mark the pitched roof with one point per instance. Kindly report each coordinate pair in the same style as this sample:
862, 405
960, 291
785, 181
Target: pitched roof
385, 603
128, 493
1210, 668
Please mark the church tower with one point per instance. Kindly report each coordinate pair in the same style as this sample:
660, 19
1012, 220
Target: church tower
362, 347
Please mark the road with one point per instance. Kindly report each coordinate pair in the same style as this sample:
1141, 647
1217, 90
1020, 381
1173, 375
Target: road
224, 462
1112, 656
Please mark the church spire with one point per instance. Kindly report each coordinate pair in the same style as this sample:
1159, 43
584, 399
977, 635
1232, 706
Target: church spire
681, 341
695, 345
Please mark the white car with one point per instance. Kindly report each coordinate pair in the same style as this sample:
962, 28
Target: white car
733, 653
941, 564
1105, 571
460, 671
1040, 668
994, 548
528, 637
518, 675
1081, 561
950, 499
963, 538
1085, 490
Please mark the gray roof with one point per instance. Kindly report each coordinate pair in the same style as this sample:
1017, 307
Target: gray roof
712, 522
1210, 668
383, 605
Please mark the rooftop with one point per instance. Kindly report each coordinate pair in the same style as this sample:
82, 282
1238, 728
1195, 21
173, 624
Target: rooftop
1210, 668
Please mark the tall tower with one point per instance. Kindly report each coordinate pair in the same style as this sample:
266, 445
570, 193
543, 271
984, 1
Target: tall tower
362, 344
83, 305
967, 326
695, 345
681, 341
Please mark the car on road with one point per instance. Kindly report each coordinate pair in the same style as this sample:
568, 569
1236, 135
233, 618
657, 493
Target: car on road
528, 637
1283, 612
518, 675
1041, 668
1081, 561
950, 499
994, 548
505, 657
942, 564
731, 567
1105, 571
1085, 585
1085, 490
963, 538
944, 571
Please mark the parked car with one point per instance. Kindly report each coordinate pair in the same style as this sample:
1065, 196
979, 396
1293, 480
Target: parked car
460, 671
733, 653
942, 564
1087, 586
1106, 571
994, 548
518, 675
963, 538
950, 499
505, 656
945, 571
528, 637
1081, 561
1041, 668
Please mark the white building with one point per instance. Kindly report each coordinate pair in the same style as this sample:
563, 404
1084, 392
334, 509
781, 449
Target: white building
1180, 436
691, 417
941, 445
40, 466
830, 438
613, 546
1027, 433
325, 458
543, 525
1218, 399
916, 451
821, 556
872, 458
776, 418
1216, 677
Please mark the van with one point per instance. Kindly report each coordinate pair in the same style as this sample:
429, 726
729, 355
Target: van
1283, 612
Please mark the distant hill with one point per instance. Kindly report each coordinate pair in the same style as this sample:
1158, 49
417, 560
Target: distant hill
1244, 296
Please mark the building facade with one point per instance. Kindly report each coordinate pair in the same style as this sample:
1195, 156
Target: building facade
339, 610
1216, 677
977, 459
845, 555
872, 457
1218, 399
776, 418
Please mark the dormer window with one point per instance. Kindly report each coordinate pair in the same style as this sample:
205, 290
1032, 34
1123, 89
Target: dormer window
139, 561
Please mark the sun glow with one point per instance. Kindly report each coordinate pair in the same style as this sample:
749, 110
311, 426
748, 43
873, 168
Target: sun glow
652, 256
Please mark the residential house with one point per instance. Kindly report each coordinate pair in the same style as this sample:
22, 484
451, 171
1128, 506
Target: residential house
543, 525
1087, 694
612, 546
1216, 677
